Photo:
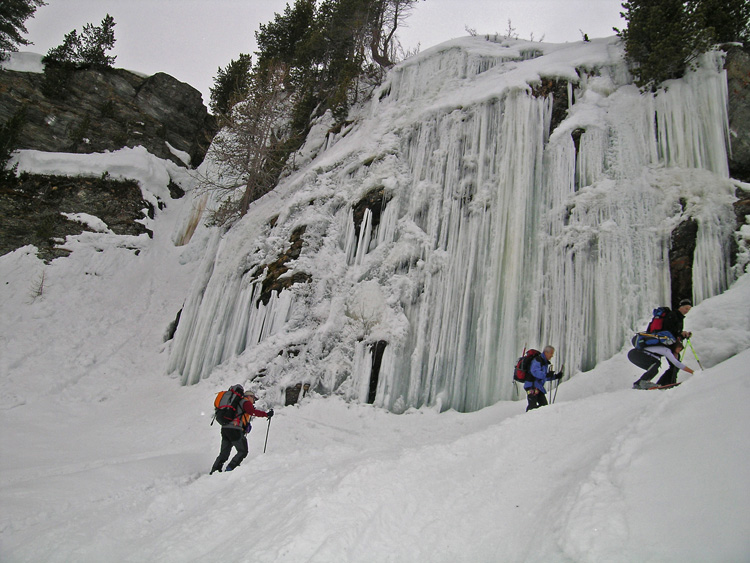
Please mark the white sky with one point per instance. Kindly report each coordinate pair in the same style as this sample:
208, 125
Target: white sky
191, 39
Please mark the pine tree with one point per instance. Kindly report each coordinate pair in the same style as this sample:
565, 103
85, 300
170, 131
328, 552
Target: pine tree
248, 153
727, 20
10, 131
311, 58
13, 15
96, 41
231, 85
87, 49
664, 37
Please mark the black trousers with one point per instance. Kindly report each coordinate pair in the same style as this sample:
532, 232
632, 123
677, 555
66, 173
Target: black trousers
231, 438
668, 377
645, 361
535, 401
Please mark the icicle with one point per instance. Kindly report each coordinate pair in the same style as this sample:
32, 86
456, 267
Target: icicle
388, 224
692, 120
350, 238
498, 233
711, 263
365, 234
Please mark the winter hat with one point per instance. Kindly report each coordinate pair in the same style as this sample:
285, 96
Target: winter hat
250, 394
686, 302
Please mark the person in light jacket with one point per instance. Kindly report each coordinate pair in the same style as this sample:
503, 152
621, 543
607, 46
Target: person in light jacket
649, 358
536, 394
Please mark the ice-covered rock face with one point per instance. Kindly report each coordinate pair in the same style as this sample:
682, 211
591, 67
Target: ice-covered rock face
452, 226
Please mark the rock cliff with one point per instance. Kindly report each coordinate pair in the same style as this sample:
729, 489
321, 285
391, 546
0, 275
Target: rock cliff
102, 110
97, 111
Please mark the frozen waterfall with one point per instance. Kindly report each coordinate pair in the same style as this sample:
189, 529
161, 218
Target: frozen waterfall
460, 221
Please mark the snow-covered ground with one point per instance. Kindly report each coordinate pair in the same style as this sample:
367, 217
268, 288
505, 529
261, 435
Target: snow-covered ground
103, 457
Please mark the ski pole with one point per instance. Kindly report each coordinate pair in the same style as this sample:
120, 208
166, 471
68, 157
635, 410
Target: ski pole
267, 429
694, 354
557, 383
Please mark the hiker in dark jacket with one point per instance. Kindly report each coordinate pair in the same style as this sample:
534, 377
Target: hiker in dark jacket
674, 320
536, 394
234, 434
649, 358
674, 323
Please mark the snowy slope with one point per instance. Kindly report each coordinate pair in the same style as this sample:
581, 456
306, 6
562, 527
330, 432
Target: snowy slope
98, 466
105, 458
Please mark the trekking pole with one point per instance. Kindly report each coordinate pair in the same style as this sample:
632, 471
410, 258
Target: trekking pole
557, 384
267, 429
694, 354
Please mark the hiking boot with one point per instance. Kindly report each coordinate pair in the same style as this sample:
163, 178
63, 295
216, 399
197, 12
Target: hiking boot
229, 468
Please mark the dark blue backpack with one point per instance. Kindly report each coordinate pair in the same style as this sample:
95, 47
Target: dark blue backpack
659, 338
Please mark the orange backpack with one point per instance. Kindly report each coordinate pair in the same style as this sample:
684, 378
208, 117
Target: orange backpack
228, 407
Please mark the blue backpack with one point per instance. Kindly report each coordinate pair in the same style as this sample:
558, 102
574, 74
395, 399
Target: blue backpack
659, 338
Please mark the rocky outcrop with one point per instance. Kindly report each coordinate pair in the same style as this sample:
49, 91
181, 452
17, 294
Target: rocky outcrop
276, 278
33, 210
681, 254
558, 89
738, 82
105, 110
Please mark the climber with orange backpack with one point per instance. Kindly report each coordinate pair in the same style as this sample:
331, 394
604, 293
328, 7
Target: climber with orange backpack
234, 410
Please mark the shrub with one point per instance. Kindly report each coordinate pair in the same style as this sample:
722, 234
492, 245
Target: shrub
10, 132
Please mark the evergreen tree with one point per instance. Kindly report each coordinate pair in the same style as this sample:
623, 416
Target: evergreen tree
88, 49
231, 85
310, 59
287, 38
664, 37
249, 152
13, 15
726, 20
10, 132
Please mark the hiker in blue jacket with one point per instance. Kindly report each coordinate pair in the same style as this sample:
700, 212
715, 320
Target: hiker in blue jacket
536, 394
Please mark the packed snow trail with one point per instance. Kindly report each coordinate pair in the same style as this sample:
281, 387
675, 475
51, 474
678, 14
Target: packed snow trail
618, 476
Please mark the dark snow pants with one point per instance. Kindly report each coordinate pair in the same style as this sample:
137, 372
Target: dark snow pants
668, 377
645, 361
231, 438
535, 401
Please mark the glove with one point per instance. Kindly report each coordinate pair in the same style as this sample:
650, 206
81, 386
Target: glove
559, 375
270, 413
